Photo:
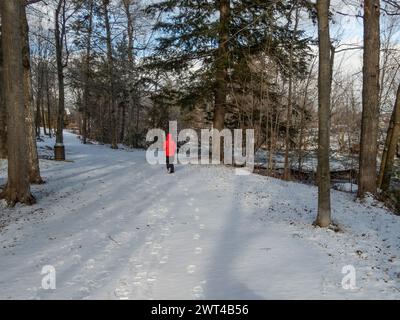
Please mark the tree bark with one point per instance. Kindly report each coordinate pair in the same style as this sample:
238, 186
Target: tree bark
389, 153
33, 159
48, 99
18, 187
127, 4
131, 61
110, 62
3, 113
324, 100
222, 65
286, 173
302, 115
59, 148
122, 132
43, 116
367, 179
38, 116
87, 75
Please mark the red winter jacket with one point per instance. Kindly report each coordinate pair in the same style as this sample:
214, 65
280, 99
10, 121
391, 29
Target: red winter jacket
169, 146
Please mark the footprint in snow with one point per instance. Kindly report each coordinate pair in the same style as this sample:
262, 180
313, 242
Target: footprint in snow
198, 293
152, 277
191, 269
156, 248
123, 291
76, 259
165, 231
164, 260
90, 264
140, 276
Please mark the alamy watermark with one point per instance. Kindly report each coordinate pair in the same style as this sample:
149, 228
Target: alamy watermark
49, 277
206, 150
349, 280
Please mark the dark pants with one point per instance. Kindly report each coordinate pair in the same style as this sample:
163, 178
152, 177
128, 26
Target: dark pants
170, 159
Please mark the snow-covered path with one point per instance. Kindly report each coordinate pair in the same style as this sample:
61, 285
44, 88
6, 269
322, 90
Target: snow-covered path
115, 227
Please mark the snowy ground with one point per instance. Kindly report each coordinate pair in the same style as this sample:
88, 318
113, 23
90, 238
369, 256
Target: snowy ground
115, 227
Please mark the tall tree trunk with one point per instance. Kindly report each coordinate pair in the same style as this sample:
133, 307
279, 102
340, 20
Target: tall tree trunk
38, 98
271, 152
18, 187
286, 173
324, 100
222, 65
122, 132
43, 116
40, 115
302, 116
386, 148
48, 99
131, 61
3, 113
59, 149
87, 74
127, 4
110, 63
137, 124
275, 123
370, 99
33, 159
389, 153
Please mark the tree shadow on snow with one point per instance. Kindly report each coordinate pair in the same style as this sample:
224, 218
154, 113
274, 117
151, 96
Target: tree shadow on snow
221, 283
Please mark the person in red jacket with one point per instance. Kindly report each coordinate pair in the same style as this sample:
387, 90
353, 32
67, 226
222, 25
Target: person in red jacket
170, 149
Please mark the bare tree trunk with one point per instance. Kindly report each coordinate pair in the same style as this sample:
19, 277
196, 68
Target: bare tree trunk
274, 139
48, 99
370, 96
33, 159
137, 125
18, 187
131, 61
392, 139
386, 148
59, 148
271, 148
110, 62
40, 116
324, 100
122, 132
127, 4
87, 74
222, 65
286, 172
3, 113
43, 115
301, 137
302, 115
39, 96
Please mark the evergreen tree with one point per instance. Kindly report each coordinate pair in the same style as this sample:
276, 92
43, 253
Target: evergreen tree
206, 42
